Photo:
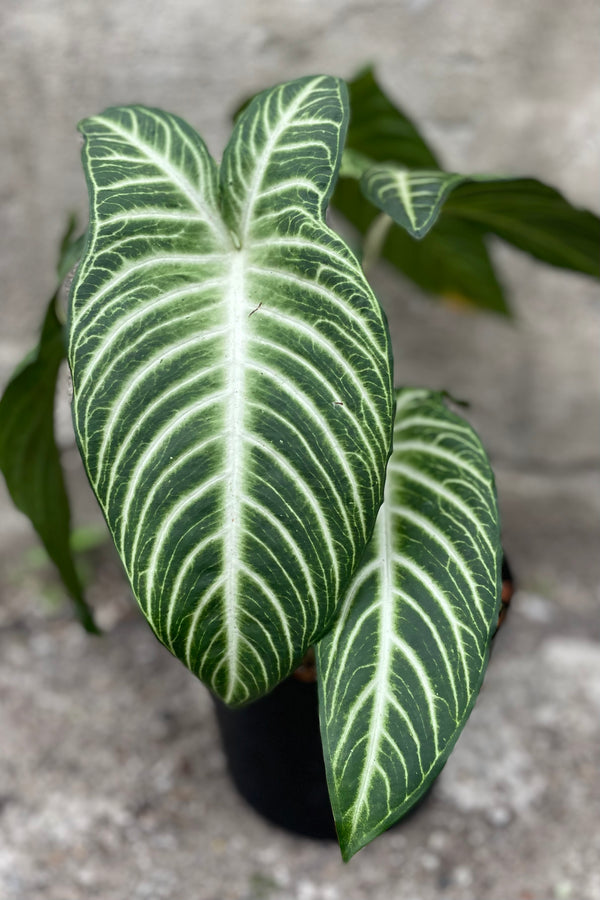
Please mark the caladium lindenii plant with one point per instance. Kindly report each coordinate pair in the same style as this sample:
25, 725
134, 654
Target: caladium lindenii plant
266, 488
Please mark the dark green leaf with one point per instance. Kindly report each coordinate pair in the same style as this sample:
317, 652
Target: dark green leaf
381, 131
452, 261
29, 457
534, 217
523, 211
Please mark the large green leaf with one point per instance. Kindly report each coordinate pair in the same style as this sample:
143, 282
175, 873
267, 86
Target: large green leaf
400, 671
232, 379
29, 457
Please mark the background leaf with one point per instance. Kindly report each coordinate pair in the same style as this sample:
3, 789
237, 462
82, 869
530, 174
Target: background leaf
400, 670
452, 261
532, 216
523, 211
29, 457
526, 213
380, 130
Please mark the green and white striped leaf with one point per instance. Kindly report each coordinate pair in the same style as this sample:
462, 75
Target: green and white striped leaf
232, 379
400, 671
412, 198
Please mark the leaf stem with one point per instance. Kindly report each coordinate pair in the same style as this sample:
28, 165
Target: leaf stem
374, 240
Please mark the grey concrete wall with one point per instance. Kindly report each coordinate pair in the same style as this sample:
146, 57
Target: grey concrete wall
496, 86
500, 85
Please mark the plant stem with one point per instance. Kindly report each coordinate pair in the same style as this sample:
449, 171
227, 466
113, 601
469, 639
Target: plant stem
374, 240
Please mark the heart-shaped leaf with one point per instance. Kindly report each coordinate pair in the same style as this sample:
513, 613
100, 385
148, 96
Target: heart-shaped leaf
232, 379
400, 671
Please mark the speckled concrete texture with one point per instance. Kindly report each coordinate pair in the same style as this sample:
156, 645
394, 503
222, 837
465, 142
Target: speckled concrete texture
112, 782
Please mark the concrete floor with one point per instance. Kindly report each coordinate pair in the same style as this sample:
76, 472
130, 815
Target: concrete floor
113, 784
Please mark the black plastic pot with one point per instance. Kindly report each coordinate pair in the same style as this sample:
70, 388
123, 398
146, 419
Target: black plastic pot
274, 756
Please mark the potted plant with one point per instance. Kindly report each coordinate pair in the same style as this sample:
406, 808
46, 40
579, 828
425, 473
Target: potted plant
269, 492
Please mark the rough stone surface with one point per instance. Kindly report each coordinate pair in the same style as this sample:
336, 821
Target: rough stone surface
112, 782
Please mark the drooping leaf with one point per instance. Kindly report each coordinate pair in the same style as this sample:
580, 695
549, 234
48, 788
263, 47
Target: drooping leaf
412, 197
29, 457
400, 671
452, 262
523, 211
232, 379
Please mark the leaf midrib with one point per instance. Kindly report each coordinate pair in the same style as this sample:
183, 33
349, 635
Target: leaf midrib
381, 679
237, 321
